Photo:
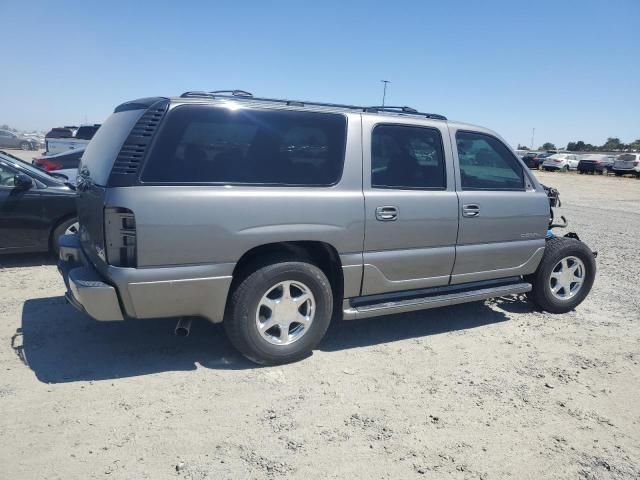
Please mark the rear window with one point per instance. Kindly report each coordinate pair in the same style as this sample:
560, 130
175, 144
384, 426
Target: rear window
103, 149
60, 133
203, 144
87, 133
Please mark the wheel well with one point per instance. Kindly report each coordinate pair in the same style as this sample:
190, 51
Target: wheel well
321, 254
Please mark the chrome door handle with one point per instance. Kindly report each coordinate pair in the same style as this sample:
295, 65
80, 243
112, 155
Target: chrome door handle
471, 210
387, 213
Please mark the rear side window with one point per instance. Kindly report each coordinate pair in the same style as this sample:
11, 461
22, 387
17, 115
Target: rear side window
487, 164
105, 145
407, 157
202, 144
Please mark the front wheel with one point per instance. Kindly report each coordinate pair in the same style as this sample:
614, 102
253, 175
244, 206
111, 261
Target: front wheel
564, 277
279, 312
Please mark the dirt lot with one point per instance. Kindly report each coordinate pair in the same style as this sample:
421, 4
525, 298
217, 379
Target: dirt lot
481, 391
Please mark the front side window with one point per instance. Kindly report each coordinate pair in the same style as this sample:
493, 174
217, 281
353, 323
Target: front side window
6, 176
487, 164
407, 157
202, 144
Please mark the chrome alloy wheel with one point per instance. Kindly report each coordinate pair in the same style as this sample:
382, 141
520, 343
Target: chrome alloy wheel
72, 229
285, 313
567, 278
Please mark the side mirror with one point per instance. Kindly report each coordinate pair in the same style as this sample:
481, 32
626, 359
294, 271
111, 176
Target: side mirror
22, 181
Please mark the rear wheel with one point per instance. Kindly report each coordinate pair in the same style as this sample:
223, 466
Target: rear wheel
564, 277
66, 227
279, 312
565, 168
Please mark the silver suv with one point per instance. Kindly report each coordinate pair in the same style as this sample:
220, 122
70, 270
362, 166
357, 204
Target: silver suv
275, 216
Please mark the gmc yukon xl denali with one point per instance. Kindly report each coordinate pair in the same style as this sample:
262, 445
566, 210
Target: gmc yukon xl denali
275, 216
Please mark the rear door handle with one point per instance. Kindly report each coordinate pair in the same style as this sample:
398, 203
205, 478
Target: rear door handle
387, 213
471, 210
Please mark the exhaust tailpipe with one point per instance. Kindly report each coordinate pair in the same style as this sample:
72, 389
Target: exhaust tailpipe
183, 327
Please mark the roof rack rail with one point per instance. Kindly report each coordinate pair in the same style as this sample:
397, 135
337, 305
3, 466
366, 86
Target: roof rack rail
242, 94
409, 110
383, 108
233, 93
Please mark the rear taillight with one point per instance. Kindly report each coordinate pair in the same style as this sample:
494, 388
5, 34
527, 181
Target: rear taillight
557, 160
120, 237
48, 165
636, 163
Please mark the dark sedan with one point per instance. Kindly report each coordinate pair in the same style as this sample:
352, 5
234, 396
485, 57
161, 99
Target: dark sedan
592, 163
534, 160
35, 207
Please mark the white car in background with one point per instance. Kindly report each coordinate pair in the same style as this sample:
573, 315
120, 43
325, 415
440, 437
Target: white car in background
627, 163
561, 161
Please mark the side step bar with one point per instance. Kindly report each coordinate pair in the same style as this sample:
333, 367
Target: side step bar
351, 312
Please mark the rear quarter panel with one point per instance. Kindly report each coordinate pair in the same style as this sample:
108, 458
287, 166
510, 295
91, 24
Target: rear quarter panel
203, 224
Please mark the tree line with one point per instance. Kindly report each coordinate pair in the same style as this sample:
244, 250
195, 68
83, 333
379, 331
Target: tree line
613, 144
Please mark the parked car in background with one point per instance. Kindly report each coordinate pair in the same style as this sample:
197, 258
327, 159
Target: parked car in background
595, 162
15, 140
35, 207
560, 161
451, 215
65, 163
627, 163
62, 139
536, 160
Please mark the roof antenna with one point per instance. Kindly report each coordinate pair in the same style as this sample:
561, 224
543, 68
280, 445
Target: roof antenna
384, 91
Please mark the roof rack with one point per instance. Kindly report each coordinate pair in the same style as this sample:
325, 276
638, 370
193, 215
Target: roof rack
242, 94
409, 110
233, 93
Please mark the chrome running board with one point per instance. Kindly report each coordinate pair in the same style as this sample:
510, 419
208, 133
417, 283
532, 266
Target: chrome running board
351, 312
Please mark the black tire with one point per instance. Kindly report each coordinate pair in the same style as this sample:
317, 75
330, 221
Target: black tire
565, 169
240, 323
556, 249
60, 229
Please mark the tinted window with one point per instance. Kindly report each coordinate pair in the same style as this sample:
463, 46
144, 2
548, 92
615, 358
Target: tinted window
6, 176
103, 149
59, 133
201, 144
406, 157
86, 133
487, 164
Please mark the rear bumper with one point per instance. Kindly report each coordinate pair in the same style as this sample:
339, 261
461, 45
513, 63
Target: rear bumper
85, 289
194, 290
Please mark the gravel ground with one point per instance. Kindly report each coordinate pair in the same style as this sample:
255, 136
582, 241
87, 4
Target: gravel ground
479, 391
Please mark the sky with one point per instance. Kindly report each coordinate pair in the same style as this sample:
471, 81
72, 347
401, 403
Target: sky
570, 69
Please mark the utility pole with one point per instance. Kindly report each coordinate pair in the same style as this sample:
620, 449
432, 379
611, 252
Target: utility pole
533, 135
384, 91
